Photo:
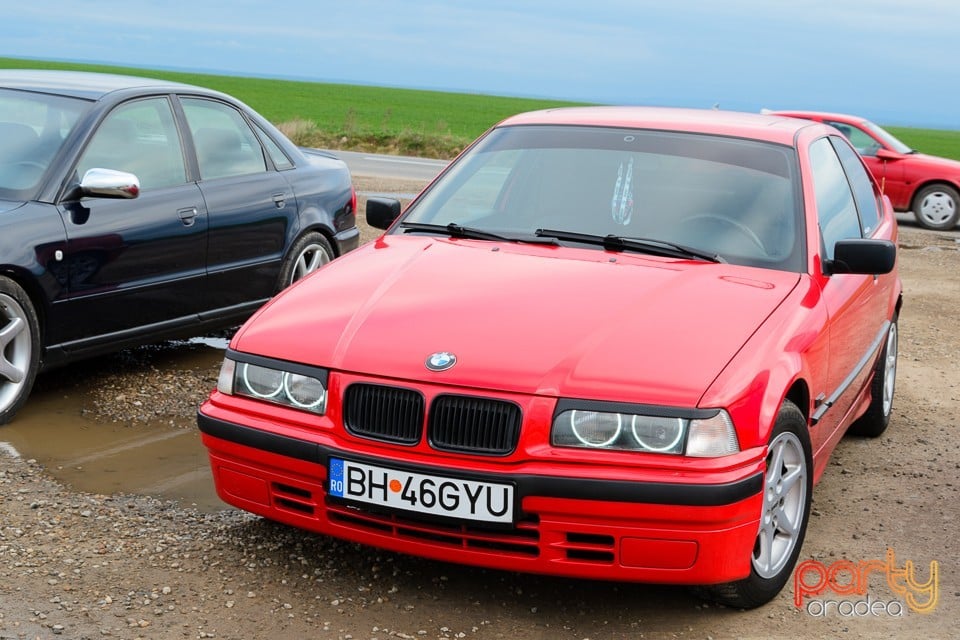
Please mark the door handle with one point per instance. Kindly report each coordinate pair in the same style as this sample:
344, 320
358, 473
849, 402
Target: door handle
187, 216
280, 200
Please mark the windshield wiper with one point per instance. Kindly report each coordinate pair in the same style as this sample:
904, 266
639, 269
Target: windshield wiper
643, 245
455, 230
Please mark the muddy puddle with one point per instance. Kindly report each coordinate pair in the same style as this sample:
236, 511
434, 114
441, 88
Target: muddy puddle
92, 453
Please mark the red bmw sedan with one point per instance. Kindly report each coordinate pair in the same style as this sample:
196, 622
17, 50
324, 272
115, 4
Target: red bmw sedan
609, 343
929, 186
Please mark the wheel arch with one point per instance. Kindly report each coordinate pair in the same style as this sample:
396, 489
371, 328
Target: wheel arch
920, 186
26, 281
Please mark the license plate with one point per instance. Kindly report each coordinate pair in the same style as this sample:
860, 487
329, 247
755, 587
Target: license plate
420, 492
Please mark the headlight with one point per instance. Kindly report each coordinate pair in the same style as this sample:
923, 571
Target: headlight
283, 383
623, 430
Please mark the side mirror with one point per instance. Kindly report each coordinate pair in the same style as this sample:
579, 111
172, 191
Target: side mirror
107, 183
886, 154
864, 256
382, 212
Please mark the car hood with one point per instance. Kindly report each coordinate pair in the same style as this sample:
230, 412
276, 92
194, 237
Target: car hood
943, 164
521, 318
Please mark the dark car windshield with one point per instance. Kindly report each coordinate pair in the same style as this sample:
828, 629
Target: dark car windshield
33, 127
732, 198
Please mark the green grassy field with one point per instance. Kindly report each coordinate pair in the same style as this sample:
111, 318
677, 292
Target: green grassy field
411, 122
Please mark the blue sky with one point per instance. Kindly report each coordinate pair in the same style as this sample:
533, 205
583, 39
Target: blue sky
893, 61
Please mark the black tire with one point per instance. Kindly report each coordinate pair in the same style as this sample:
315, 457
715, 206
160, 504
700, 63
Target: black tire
937, 206
874, 422
19, 348
771, 567
310, 252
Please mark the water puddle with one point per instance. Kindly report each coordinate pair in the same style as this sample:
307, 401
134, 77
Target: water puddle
103, 456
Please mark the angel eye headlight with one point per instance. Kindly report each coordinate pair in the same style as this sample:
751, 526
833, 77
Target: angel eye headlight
303, 391
261, 382
277, 384
643, 428
595, 429
658, 434
618, 430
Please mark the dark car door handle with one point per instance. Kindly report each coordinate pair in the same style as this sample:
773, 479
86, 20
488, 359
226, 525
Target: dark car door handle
187, 216
280, 200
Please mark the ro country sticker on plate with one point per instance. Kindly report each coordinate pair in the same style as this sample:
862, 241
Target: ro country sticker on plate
421, 493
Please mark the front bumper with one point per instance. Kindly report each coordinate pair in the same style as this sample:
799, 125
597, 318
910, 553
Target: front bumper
666, 532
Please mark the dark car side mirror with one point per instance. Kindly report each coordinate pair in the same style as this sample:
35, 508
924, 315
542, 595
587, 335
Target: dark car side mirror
863, 256
382, 212
105, 183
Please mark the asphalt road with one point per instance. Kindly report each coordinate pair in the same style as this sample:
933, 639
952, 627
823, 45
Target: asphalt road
391, 167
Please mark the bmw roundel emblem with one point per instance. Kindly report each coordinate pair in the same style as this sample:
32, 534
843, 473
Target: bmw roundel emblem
441, 361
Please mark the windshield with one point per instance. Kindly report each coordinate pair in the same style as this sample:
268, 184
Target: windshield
33, 127
726, 197
887, 138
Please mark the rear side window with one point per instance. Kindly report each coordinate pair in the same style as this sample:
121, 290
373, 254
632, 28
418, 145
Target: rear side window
864, 193
836, 210
280, 159
226, 146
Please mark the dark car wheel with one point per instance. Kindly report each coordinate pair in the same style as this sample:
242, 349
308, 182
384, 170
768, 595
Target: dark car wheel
874, 422
19, 347
787, 488
310, 252
937, 206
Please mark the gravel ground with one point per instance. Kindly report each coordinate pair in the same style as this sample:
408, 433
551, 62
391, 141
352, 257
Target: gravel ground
77, 565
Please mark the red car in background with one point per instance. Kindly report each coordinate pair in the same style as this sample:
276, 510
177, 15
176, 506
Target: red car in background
929, 186
609, 343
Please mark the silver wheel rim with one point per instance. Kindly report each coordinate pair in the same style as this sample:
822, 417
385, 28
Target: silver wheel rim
784, 502
937, 208
15, 350
890, 370
311, 258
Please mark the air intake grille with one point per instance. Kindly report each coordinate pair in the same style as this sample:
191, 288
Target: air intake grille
384, 413
474, 425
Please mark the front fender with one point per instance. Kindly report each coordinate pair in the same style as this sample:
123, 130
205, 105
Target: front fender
791, 345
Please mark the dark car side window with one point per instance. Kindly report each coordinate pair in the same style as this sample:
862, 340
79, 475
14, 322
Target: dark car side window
139, 137
864, 193
836, 211
226, 146
280, 159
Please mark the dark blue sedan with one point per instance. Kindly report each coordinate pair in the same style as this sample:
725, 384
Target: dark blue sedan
133, 210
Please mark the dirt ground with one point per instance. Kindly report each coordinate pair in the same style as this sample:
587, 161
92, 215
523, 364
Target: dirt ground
83, 566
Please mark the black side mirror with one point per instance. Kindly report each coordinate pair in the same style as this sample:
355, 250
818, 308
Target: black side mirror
381, 212
862, 255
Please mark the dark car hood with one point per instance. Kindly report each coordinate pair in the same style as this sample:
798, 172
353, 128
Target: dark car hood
521, 318
10, 205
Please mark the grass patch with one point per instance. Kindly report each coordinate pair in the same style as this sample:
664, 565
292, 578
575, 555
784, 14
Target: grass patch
339, 116
432, 124
935, 142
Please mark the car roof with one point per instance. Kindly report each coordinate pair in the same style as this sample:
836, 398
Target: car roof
81, 84
769, 128
825, 115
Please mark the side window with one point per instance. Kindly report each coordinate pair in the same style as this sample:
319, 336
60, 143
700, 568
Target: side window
836, 211
864, 194
139, 137
226, 146
280, 159
861, 141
